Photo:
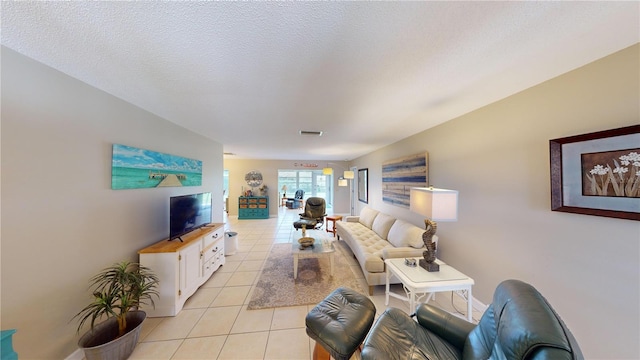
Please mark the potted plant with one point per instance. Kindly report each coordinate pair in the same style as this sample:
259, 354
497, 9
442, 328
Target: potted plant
118, 291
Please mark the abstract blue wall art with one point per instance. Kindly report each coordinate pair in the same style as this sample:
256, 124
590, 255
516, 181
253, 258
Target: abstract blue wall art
400, 175
134, 168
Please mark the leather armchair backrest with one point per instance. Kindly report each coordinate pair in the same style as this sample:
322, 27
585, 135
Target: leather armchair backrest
299, 195
520, 324
315, 208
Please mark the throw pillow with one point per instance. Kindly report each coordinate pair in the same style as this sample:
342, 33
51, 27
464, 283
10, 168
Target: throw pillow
367, 215
381, 224
403, 233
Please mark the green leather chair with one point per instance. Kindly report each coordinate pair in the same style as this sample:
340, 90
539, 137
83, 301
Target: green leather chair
519, 324
313, 216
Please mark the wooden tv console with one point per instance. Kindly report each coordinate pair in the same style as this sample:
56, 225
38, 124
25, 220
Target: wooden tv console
182, 267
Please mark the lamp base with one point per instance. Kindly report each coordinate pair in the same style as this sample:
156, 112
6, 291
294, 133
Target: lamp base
430, 267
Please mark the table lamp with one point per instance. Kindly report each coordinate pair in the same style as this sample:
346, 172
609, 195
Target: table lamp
284, 191
435, 205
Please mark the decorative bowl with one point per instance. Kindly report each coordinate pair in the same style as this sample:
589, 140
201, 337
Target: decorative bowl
306, 241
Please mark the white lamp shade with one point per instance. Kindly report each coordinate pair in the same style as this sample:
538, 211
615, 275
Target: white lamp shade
348, 174
435, 204
343, 182
327, 171
284, 187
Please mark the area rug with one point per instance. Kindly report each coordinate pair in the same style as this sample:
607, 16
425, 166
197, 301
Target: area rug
276, 286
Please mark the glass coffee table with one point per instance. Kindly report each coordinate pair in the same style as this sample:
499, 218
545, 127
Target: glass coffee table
322, 245
418, 282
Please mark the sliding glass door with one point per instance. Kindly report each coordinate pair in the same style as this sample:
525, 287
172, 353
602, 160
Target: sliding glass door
313, 182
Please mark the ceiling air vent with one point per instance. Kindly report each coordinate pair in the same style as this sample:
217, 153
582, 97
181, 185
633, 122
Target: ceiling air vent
314, 133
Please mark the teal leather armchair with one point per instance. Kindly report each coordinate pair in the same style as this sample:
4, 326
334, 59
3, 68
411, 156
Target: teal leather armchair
519, 324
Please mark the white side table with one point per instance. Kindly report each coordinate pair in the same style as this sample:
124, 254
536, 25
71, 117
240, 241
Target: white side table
417, 280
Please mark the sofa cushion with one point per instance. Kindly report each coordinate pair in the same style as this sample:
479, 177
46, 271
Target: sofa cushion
382, 224
366, 245
401, 252
403, 233
367, 215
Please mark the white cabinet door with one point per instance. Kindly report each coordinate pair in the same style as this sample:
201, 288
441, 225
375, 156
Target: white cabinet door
189, 270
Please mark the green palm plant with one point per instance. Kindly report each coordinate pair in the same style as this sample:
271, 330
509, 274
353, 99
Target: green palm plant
117, 290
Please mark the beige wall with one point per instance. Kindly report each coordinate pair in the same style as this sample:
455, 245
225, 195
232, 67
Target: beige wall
497, 157
61, 222
269, 169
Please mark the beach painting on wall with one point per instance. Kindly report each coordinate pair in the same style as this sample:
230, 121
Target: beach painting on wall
134, 168
400, 175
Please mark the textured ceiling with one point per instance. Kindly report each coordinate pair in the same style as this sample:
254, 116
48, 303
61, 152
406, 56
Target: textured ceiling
252, 74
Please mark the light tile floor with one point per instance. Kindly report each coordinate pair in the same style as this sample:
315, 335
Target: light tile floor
215, 323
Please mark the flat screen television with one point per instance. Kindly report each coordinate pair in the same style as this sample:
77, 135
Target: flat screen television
187, 213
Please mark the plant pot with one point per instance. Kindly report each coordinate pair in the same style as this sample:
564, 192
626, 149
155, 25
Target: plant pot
101, 342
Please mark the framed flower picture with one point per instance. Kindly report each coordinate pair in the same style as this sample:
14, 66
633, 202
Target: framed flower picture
597, 173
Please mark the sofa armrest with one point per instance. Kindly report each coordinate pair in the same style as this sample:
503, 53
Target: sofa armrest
352, 218
401, 252
447, 326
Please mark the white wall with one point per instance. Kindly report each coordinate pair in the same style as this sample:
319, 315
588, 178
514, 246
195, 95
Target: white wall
269, 169
588, 267
61, 222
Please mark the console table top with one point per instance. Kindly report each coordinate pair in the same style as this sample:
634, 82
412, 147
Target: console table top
166, 246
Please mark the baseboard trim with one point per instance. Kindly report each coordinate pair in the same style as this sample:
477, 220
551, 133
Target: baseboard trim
76, 355
477, 304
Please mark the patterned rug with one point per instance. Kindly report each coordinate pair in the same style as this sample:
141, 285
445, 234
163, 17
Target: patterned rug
276, 286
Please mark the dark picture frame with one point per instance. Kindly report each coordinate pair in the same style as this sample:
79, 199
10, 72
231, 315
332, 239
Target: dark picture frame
597, 173
363, 185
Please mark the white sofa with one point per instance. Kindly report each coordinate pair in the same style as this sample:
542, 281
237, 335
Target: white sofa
374, 236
